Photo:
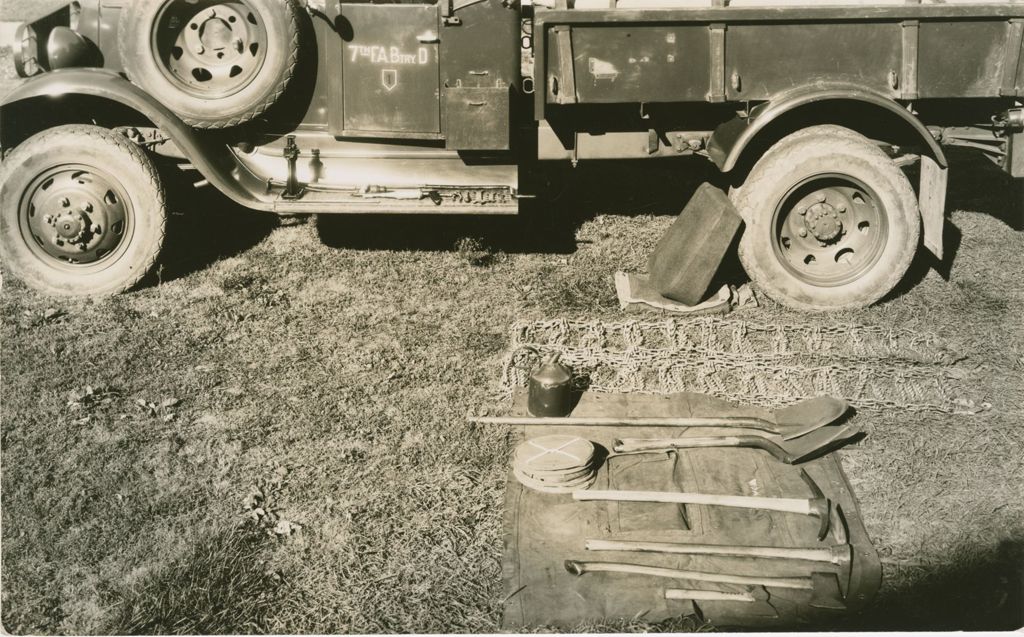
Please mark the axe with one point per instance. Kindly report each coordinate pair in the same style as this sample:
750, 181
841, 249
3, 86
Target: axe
789, 423
824, 587
814, 444
818, 506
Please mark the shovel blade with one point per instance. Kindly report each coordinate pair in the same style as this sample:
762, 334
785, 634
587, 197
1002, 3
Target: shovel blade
809, 415
819, 442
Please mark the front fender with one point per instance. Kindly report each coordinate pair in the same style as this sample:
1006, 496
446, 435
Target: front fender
206, 150
732, 138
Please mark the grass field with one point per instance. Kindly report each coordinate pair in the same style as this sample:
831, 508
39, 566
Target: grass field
270, 436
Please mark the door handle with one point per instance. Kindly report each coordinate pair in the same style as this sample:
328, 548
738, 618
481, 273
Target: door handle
428, 38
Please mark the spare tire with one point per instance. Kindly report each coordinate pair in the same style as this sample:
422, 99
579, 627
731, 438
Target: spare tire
216, 63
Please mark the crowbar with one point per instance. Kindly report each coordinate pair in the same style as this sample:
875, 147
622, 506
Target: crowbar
790, 423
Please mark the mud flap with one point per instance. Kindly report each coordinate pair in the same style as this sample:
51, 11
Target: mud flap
934, 181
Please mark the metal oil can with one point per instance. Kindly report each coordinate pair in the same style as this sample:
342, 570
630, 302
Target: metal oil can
550, 390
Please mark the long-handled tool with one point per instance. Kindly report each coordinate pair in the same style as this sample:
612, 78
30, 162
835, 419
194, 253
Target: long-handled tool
814, 444
839, 554
818, 506
790, 423
824, 587
757, 596
711, 596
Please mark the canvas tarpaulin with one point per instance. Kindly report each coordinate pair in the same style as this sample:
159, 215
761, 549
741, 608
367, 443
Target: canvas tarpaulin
542, 531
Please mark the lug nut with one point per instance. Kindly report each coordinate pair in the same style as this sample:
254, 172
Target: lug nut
48, 219
821, 197
802, 232
841, 208
65, 202
239, 45
802, 212
88, 207
200, 50
94, 228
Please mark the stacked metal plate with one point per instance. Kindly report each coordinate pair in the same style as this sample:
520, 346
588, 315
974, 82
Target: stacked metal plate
555, 464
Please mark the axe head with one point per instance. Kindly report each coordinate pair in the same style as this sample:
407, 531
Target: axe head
762, 606
825, 592
820, 506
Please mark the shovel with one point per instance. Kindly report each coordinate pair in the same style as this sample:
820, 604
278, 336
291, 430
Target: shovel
814, 444
789, 423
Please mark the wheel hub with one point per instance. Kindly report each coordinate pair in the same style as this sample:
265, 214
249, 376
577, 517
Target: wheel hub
829, 229
75, 216
71, 228
211, 52
823, 222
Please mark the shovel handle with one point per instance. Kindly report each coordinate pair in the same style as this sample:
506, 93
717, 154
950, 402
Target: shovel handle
742, 422
630, 445
786, 505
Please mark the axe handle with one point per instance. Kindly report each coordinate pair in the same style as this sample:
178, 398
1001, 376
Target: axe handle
810, 555
708, 596
786, 505
803, 583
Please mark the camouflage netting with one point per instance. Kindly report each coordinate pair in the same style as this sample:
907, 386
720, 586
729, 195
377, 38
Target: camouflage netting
750, 363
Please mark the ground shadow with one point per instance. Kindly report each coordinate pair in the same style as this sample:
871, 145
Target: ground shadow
204, 226
974, 591
546, 225
978, 185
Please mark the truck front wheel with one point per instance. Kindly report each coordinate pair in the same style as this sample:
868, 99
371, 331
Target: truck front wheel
832, 222
83, 212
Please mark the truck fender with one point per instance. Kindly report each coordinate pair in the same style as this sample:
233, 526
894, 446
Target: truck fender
731, 140
210, 156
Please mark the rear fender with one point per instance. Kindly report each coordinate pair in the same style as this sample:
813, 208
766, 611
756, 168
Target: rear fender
734, 142
207, 151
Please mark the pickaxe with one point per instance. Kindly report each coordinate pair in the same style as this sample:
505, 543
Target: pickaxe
789, 423
818, 506
814, 444
824, 587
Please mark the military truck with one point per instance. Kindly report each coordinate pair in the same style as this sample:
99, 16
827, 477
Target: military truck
829, 121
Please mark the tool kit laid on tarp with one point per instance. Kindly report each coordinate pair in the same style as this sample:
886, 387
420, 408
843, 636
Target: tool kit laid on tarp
654, 506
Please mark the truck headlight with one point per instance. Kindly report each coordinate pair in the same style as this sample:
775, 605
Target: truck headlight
27, 52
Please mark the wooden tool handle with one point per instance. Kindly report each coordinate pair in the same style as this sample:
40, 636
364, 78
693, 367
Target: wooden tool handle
786, 505
630, 445
604, 421
709, 596
811, 555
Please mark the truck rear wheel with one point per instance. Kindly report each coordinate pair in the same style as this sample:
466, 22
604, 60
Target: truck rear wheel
216, 63
83, 212
832, 222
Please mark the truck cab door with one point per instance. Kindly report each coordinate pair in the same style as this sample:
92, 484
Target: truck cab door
387, 82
